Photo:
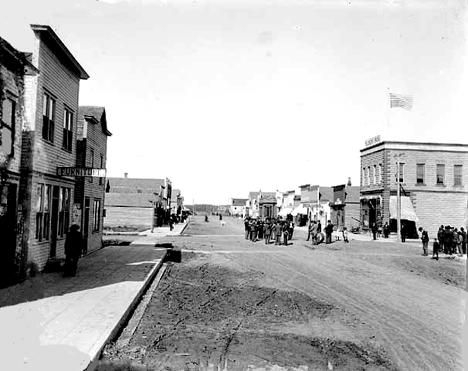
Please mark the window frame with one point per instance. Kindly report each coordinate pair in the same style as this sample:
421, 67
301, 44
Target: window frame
48, 119
96, 215
401, 172
63, 211
11, 125
67, 132
457, 178
421, 175
440, 166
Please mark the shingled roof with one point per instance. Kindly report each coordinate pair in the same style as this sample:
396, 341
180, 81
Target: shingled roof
135, 185
94, 114
129, 199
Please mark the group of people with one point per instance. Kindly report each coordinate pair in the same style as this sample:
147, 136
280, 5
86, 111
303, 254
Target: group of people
449, 240
315, 232
281, 231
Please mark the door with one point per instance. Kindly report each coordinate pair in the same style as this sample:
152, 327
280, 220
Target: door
8, 231
54, 221
86, 224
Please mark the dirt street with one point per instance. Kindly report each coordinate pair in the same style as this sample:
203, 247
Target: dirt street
237, 305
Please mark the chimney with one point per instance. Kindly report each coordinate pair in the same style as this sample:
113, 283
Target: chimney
349, 182
125, 175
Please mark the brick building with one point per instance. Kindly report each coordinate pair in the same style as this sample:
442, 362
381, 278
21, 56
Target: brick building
49, 142
14, 66
89, 195
433, 185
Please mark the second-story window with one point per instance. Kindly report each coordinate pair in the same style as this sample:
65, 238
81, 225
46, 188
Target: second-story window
440, 174
457, 175
101, 180
401, 173
48, 118
379, 180
420, 173
374, 174
8, 126
91, 162
67, 130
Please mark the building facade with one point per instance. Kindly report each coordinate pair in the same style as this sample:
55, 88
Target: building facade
148, 200
14, 66
237, 206
48, 142
432, 179
345, 207
262, 204
89, 195
317, 199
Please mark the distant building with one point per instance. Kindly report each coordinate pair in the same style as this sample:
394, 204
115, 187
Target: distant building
177, 202
433, 185
262, 204
317, 199
237, 206
345, 207
148, 200
92, 134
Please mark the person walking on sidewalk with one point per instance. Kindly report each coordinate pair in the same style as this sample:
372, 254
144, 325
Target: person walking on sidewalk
374, 231
424, 239
73, 248
386, 230
309, 230
440, 237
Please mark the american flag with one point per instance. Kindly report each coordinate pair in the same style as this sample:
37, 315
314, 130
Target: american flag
403, 101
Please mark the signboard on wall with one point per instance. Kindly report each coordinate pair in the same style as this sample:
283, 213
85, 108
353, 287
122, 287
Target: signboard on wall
81, 171
372, 140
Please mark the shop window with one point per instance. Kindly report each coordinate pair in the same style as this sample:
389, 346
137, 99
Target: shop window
67, 130
64, 211
440, 174
48, 118
420, 172
96, 215
457, 175
8, 126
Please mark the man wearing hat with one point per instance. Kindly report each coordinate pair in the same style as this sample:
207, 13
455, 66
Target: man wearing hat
73, 248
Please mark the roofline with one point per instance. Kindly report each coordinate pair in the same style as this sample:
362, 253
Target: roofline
414, 143
44, 28
16, 54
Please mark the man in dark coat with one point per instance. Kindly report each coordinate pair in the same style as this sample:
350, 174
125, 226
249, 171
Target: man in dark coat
374, 231
267, 231
424, 239
278, 231
247, 228
440, 237
328, 232
73, 248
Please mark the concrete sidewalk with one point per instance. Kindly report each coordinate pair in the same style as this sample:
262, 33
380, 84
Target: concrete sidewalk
53, 323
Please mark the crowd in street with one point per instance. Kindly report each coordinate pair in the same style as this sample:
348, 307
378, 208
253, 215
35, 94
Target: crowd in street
449, 240
277, 229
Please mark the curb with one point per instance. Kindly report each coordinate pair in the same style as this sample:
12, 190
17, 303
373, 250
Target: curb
185, 226
149, 277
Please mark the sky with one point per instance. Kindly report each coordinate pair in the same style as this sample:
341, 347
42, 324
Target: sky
225, 97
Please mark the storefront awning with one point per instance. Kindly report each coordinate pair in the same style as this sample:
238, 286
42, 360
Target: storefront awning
285, 211
300, 209
407, 209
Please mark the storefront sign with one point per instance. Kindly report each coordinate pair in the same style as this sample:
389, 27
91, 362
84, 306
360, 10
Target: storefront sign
81, 171
372, 140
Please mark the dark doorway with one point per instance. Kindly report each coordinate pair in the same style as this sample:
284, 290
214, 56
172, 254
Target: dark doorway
8, 238
54, 221
86, 224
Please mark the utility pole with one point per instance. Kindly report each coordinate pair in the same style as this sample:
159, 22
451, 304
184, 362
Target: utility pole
398, 197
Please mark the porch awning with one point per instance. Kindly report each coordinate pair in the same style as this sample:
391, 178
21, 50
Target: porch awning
407, 209
300, 209
285, 211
